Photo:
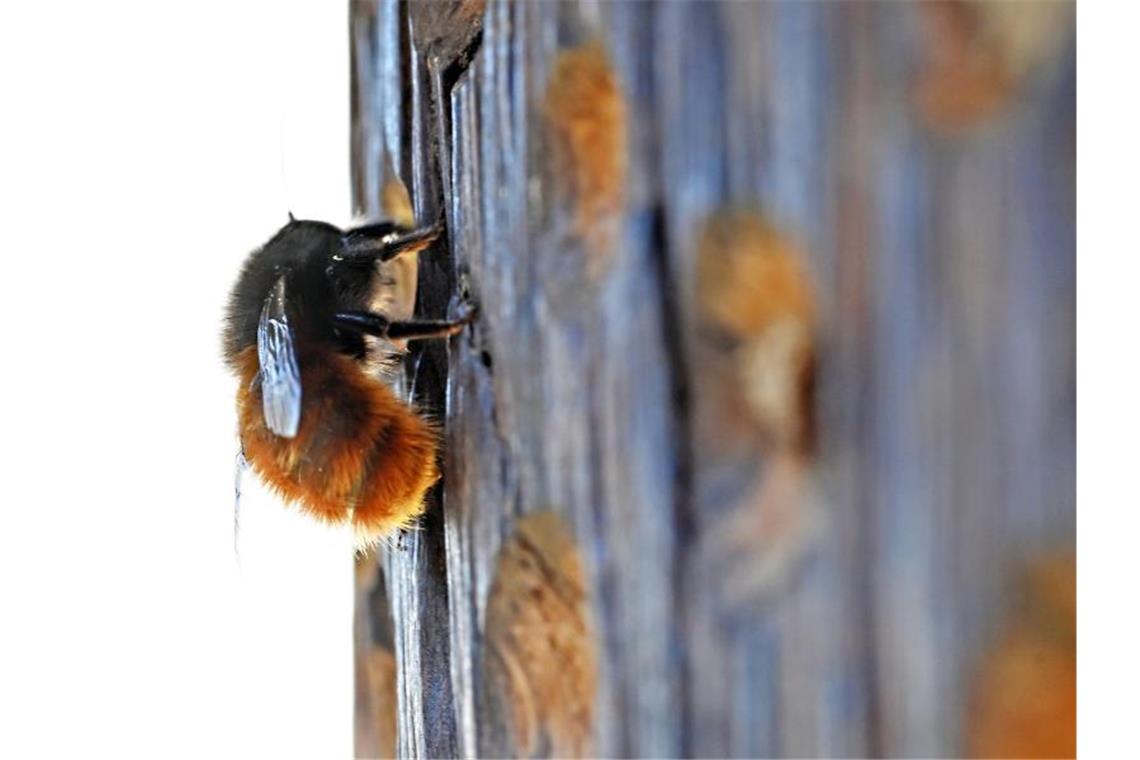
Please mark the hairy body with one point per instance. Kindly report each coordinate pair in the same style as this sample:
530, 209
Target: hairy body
359, 455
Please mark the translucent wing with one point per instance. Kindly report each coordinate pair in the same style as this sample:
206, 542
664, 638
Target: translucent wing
280, 376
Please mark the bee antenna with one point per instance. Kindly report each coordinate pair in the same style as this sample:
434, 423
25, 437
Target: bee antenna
291, 217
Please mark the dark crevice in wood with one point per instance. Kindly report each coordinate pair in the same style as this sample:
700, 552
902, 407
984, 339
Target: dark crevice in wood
406, 110
684, 521
380, 612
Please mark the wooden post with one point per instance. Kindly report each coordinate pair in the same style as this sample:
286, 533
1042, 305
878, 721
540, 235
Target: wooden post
771, 391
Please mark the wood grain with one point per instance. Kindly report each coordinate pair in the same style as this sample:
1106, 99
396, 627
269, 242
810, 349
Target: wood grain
941, 263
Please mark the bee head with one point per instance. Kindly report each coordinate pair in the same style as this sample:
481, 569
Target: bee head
383, 242
353, 264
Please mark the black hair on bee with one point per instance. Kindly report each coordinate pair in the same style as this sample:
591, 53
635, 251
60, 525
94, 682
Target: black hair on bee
316, 422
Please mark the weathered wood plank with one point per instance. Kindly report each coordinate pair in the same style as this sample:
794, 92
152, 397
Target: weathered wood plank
942, 266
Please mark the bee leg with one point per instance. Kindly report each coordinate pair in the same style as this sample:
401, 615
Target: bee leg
380, 326
384, 242
428, 329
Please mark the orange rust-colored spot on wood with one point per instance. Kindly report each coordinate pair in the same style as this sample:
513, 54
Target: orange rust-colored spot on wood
540, 639
1051, 589
750, 275
585, 113
753, 286
1024, 698
977, 54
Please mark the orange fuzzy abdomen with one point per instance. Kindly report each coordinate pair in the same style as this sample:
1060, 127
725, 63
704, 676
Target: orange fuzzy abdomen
360, 454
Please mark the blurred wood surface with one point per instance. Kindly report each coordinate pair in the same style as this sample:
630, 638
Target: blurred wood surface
744, 597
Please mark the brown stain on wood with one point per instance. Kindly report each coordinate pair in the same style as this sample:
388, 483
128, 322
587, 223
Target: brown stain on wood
541, 648
977, 55
753, 287
1024, 697
757, 311
585, 116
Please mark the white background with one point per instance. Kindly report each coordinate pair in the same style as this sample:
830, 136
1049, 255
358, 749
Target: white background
146, 149
1108, 379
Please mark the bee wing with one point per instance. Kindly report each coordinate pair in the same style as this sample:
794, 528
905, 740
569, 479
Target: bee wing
280, 375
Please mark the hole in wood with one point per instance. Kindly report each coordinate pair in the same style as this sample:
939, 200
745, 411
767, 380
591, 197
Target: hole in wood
540, 659
585, 112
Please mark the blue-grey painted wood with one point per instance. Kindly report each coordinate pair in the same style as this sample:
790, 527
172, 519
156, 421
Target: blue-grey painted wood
944, 269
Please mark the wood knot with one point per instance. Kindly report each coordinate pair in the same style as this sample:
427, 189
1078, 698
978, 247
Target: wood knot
540, 641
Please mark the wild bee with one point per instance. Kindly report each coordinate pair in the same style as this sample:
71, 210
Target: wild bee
317, 423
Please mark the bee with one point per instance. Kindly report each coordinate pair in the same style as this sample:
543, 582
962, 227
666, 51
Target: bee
316, 421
